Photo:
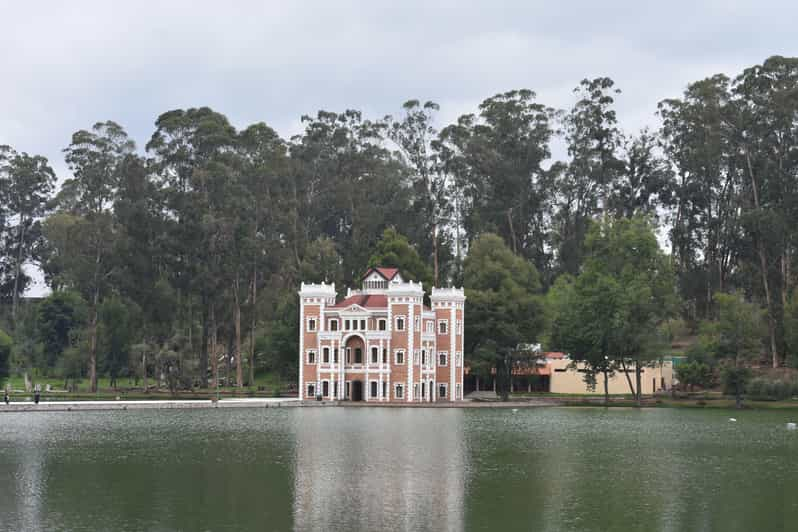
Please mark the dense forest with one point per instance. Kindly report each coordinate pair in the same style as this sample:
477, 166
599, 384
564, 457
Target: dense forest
176, 262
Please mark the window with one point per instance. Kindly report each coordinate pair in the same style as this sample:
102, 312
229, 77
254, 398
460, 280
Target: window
311, 357
335, 355
333, 325
375, 355
399, 391
459, 326
415, 392
346, 389
373, 389
384, 389
325, 388
459, 359
457, 392
423, 357
430, 326
400, 357
381, 325
362, 325
348, 355
443, 326
415, 357
358, 355
442, 391
400, 323
335, 390
325, 355
311, 390
384, 356
423, 390
354, 325
417, 324
311, 324
346, 325
442, 358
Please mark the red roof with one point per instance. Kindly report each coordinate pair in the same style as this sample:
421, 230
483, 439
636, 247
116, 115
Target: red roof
367, 301
388, 273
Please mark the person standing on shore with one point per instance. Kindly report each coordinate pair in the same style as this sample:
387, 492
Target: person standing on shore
5, 395
37, 391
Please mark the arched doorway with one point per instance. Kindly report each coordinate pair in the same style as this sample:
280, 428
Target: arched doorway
357, 390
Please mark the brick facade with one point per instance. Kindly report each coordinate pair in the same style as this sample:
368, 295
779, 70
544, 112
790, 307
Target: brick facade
381, 343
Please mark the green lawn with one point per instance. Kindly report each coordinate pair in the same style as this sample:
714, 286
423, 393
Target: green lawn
265, 386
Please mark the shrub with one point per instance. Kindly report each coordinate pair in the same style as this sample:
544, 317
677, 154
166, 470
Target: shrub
772, 390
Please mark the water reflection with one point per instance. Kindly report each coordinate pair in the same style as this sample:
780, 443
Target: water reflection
397, 469
369, 469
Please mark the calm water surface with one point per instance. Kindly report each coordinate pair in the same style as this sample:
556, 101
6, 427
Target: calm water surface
398, 469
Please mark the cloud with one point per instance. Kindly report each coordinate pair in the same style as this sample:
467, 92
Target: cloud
66, 65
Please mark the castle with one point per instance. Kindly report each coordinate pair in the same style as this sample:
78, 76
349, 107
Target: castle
381, 343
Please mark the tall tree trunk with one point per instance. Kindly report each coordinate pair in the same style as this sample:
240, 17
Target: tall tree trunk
628, 379
144, 369
203, 361
512, 229
606, 387
763, 266
435, 252
17, 271
237, 319
253, 326
638, 382
95, 301
213, 354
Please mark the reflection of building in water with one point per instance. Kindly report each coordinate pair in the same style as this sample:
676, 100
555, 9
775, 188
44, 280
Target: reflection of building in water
381, 343
407, 474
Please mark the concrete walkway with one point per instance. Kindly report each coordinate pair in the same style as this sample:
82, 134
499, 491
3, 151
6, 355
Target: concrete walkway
253, 402
69, 406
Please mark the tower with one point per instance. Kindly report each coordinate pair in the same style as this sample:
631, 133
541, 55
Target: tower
313, 298
448, 304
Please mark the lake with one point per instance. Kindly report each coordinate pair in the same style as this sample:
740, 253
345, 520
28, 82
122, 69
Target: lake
547, 469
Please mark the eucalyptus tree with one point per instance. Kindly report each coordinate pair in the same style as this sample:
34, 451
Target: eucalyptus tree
265, 167
645, 183
352, 186
594, 141
497, 161
26, 186
764, 130
431, 205
705, 229
194, 157
96, 159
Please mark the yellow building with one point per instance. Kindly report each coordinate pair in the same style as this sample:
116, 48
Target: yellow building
565, 379
556, 373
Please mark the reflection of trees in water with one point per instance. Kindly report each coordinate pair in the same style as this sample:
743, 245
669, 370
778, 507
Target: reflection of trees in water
379, 468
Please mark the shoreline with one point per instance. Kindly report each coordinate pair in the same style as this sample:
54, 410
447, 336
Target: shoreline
160, 404
264, 402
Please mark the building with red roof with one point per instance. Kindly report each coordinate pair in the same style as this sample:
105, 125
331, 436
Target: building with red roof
380, 343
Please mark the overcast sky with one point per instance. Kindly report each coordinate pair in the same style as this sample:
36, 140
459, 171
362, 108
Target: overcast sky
67, 65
